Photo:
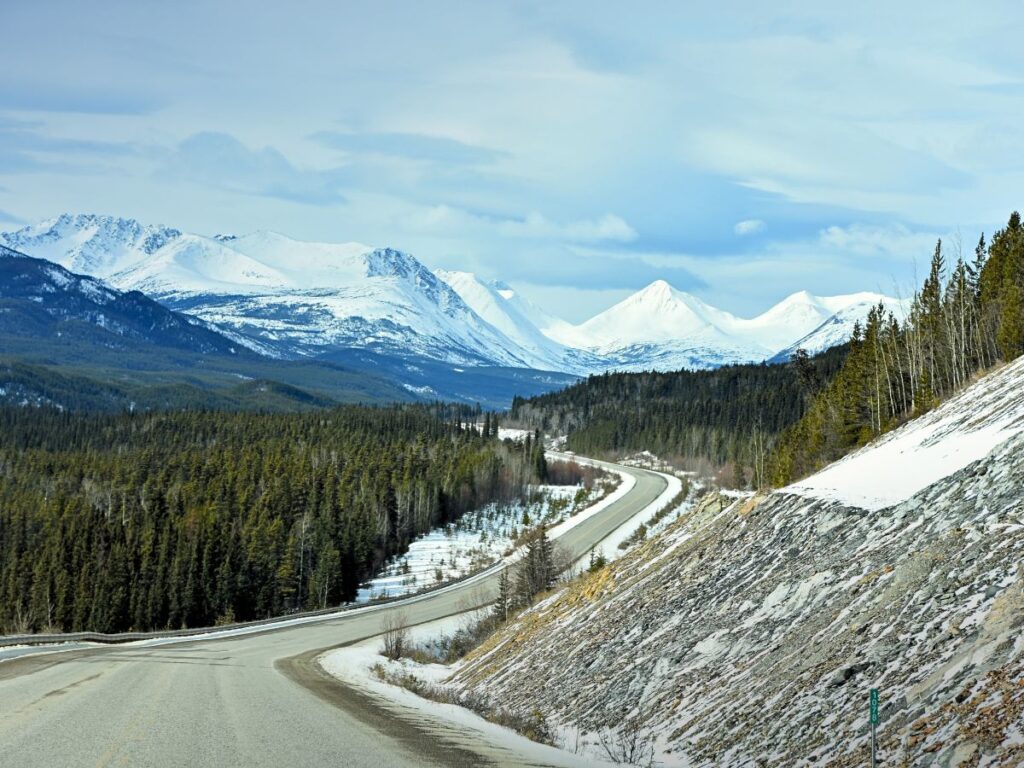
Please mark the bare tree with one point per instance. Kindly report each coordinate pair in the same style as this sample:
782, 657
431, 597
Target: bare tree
22, 622
395, 629
627, 745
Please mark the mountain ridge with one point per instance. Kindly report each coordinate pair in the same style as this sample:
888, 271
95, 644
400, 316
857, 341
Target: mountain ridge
294, 299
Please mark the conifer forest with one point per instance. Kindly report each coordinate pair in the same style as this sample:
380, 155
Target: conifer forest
185, 519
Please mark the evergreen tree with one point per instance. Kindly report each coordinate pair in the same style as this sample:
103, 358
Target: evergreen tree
958, 324
146, 521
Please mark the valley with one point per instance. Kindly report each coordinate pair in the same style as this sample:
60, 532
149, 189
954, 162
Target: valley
527, 385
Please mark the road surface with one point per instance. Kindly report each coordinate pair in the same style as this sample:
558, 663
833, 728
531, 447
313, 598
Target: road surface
252, 700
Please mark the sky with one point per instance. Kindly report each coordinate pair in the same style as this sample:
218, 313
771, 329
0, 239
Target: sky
577, 150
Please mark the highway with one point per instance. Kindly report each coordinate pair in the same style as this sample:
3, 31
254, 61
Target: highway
257, 699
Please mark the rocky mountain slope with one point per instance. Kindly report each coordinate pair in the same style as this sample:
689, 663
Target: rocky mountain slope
300, 299
40, 299
271, 292
750, 632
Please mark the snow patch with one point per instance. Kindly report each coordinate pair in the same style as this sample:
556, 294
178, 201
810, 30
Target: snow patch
893, 468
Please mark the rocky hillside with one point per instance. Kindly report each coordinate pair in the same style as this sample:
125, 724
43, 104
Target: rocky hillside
750, 632
41, 300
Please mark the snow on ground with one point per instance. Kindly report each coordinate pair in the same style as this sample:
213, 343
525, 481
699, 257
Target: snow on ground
611, 546
505, 433
360, 664
962, 430
354, 665
477, 540
646, 460
516, 435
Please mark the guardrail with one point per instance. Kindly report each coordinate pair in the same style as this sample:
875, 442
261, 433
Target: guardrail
7, 641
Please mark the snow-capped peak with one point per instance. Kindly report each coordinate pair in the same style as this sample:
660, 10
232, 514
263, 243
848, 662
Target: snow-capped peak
315, 297
672, 328
90, 244
656, 314
516, 317
300, 298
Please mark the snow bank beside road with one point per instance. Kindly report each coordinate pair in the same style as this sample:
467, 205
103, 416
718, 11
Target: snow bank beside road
354, 666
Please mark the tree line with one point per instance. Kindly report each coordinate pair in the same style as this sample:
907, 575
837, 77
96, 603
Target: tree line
707, 420
967, 316
111, 522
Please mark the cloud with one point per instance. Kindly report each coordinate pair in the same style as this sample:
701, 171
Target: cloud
748, 227
54, 97
221, 161
536, 226
26, 148
412, 146
894, 240
9, 218
594, 270
799, 162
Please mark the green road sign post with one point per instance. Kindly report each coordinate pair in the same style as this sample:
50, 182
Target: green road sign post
873, 719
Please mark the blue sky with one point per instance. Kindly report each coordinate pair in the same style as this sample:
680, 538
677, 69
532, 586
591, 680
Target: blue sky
577, 150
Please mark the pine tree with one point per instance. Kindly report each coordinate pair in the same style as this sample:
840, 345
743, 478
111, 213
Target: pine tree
504, 602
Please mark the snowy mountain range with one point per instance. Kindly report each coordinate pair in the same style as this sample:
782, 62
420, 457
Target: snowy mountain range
664, 329
294, 299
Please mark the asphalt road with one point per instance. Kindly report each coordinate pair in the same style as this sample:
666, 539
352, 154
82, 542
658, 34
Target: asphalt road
252, 700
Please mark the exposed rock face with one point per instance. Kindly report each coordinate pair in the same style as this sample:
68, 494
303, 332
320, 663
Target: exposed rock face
751, 631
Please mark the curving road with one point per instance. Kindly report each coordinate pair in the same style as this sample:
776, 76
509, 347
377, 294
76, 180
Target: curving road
257, 699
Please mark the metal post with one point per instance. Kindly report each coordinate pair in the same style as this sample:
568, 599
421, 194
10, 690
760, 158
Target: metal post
873, 719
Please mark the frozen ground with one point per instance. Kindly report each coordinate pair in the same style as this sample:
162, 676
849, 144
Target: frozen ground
480, 538
355, 665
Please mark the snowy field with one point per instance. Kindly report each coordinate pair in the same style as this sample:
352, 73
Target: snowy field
477, 540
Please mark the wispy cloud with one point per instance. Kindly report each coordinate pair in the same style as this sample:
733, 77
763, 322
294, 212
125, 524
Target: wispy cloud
597, 270
748, 227
536, 226
35, 96
26, 147
444, 220
436, 149
7, 217
221, 161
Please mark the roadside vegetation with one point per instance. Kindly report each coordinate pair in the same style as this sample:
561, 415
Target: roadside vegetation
541, 571
173, 520
541, 564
